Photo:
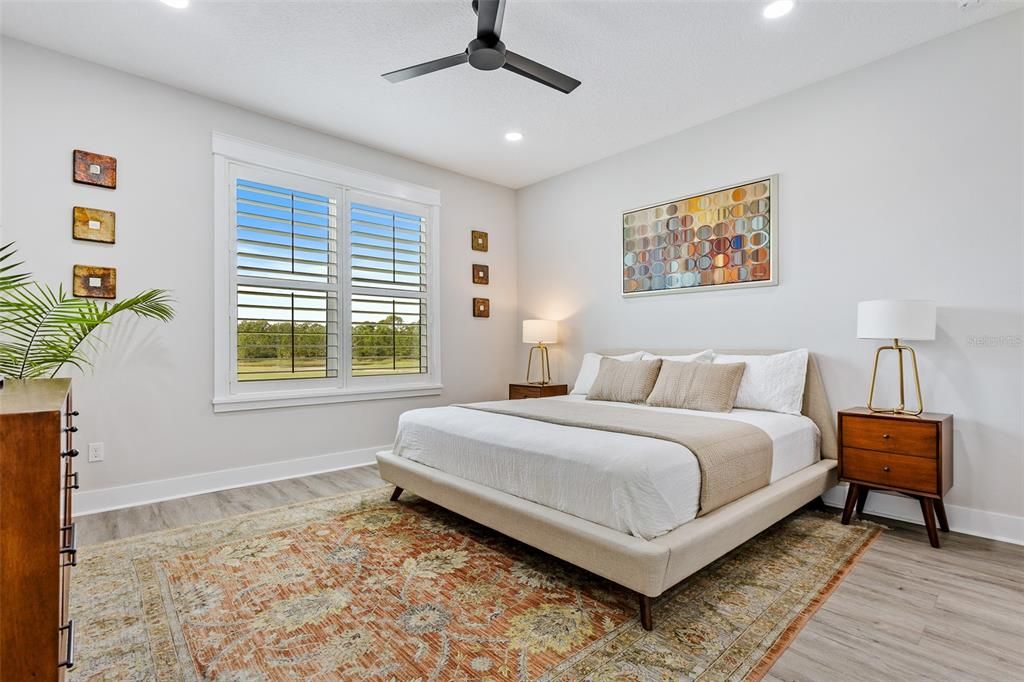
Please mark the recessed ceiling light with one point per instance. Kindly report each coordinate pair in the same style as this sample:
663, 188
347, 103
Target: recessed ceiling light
513, 136
176, 4
779, 8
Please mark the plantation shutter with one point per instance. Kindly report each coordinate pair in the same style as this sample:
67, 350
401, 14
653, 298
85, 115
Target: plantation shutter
286, 282
388, 249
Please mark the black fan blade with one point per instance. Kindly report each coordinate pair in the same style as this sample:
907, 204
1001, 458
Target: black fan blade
489, 14
426, 67
517, 63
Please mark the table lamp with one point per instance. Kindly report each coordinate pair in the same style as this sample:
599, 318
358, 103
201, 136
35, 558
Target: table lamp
891, 319
540, 332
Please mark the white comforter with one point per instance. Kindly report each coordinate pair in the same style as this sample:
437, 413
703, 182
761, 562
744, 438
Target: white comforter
634, 484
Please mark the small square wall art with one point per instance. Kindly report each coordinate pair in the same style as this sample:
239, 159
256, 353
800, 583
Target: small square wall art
478, 240
92, 224
90, 168
481, 307
481, 274
90, 281
722, 239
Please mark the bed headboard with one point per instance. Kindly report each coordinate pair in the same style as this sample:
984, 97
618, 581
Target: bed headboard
815, 407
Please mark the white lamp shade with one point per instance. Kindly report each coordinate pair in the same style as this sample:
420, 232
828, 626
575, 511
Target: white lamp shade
889, 319
540, 331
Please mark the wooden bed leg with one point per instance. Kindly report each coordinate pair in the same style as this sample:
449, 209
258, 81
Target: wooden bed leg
396, 494
646, 619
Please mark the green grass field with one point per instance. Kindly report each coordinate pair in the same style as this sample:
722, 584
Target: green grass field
272, 368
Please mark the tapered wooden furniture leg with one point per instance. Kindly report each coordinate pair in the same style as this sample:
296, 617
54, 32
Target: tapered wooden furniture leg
928, 511
862, 498
940, 511
396, 494
851, 501
646, 619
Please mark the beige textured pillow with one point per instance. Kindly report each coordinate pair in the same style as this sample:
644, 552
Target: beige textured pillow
697, 386
624, 381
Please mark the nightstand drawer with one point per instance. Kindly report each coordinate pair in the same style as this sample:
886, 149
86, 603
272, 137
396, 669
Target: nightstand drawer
518, 392
906, 472
918, 439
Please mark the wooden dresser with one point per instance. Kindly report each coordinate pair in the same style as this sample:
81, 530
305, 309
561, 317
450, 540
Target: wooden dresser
520, 391
37, 534
908, 454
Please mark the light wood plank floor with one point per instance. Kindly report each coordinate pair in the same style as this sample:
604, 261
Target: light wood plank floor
905, 612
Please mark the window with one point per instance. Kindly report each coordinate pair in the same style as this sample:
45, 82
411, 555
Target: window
389, 287
330, 282
286, 283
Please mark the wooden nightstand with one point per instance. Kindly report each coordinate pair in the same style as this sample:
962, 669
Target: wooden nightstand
906, 454
517, 391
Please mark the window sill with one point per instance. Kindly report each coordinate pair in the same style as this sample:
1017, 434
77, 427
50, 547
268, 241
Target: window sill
277, 399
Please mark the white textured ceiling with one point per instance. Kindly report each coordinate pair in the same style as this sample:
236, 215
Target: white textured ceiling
648, 68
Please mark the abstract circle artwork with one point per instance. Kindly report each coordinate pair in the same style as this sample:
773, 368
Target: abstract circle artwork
719, 239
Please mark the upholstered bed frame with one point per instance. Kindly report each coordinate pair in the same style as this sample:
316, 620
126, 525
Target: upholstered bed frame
648, 567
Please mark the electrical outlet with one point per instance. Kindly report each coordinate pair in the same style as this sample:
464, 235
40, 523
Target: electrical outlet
95, 452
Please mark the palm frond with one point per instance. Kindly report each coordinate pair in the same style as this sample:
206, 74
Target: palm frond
34, 320
9, 277
42, 329
154, 304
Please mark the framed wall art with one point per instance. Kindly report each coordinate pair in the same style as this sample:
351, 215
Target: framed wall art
90, 281
93, 224
481, 274
478, 240
90, 168
481, 307
722, 239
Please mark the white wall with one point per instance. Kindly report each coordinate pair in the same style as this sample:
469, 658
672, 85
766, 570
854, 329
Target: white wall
149, 399
901, 179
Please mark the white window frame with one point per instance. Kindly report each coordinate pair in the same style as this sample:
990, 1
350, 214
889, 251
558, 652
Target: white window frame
232, 154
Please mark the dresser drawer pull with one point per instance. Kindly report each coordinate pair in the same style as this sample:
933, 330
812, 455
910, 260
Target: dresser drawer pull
74, 477
71, 548
71, 429
70, 453
69, 652
885, 436
885, 468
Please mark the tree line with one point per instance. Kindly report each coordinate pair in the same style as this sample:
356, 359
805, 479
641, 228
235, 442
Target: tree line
265, 339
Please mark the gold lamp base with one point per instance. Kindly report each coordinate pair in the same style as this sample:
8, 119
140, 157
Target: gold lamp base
545, 367
901, 408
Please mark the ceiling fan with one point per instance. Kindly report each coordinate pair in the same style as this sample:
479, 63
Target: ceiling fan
487, 53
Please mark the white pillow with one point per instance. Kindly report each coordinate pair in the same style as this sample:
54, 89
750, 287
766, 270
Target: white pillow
591, 364
703, 356
771, 382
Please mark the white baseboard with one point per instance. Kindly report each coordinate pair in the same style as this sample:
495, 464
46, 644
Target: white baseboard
984, 524
118, 497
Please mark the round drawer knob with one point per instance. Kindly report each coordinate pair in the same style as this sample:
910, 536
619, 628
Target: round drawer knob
885, 468
885, 436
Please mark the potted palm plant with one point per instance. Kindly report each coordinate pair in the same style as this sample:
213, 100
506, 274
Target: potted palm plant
42, 329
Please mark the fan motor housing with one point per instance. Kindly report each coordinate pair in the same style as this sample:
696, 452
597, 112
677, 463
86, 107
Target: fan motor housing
486, 56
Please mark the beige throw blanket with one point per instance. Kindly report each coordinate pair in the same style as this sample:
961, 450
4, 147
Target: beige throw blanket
735, 457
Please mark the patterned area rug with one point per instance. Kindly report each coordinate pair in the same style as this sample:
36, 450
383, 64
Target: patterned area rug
357, 587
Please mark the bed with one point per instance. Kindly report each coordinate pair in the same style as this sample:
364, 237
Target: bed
619, 505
